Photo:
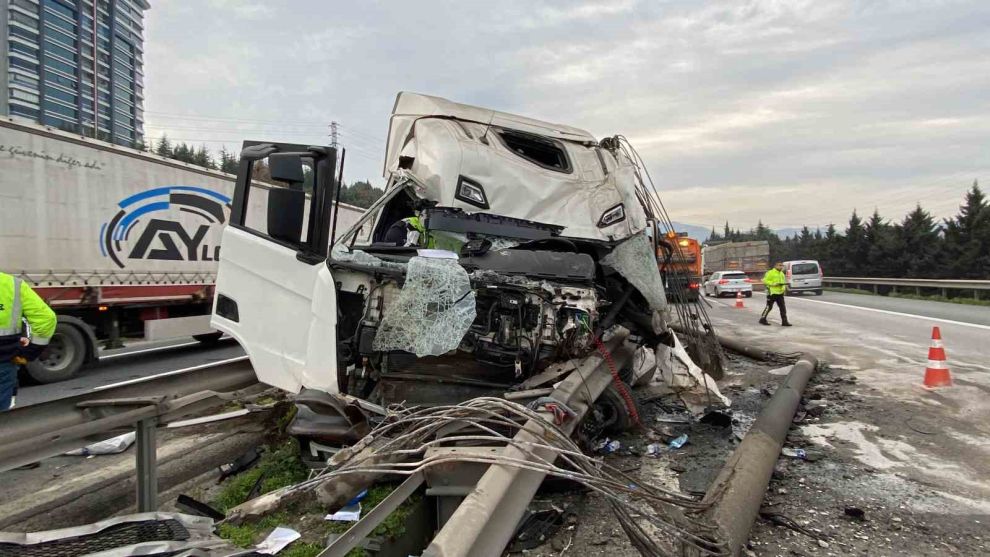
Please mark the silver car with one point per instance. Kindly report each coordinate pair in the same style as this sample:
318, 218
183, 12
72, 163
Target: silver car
723, 283
803, 276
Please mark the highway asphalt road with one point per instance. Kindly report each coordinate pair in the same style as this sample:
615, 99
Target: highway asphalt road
134, 362
883, 343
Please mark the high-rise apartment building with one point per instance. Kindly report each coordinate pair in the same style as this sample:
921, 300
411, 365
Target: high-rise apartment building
76, 65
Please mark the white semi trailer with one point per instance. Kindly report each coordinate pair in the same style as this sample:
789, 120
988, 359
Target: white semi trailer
121, 243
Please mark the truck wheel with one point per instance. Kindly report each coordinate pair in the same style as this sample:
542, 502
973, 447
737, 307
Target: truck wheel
614, 413
208, 338
818, 292
64, 357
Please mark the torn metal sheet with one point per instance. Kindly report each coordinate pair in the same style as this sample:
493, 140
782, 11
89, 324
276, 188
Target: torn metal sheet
676, 370
644, 366
635, 261
432, 312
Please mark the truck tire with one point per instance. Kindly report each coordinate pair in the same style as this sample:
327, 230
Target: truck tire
64, 357
208, 339
818, 292
613, 410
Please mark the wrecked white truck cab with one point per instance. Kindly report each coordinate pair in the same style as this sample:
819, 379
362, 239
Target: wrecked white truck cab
502, 246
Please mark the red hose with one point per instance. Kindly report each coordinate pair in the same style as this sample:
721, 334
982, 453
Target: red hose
617, 381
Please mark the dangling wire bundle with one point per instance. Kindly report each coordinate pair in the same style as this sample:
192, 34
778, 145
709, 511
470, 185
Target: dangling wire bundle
659, 522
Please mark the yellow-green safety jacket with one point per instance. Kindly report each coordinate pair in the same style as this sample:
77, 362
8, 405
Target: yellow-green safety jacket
776, 281
18, 302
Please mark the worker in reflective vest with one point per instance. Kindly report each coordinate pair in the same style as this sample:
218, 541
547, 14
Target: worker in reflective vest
776, 283
409, 232
17, 303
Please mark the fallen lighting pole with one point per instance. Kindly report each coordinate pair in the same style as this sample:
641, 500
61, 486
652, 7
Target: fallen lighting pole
737, 493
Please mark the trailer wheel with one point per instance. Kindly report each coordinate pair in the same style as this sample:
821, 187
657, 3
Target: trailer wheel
64, 357
208, 339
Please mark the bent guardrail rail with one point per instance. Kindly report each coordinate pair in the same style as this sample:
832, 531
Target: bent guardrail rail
32, 433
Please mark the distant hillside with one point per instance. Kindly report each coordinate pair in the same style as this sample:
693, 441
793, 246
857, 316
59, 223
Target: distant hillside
699, 233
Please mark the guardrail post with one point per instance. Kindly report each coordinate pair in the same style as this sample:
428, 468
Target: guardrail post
147, 465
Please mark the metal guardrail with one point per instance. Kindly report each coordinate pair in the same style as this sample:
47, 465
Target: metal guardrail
944, 285
32, 433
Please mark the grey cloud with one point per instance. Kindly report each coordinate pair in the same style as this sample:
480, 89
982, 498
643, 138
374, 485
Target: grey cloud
742, 110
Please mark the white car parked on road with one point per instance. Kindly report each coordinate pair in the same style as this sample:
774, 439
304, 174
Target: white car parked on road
728, 282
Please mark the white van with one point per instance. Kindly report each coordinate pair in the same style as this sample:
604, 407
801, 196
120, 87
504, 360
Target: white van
803, 276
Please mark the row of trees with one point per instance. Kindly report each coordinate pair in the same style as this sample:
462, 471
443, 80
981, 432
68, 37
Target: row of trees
918, 246
361, 193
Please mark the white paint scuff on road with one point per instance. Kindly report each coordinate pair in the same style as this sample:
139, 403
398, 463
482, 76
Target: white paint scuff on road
173, 372
900, 314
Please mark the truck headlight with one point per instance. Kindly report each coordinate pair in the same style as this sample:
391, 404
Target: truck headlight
471, 192
612, 216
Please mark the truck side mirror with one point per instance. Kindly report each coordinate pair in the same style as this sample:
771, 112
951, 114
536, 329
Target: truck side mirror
286, 167
286, 212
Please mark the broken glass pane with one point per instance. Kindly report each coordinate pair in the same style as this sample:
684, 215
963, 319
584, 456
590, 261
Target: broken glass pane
432, 312
634, 259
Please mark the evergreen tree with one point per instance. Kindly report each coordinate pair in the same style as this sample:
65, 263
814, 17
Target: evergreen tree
228, 161
967, 238
202, 158
164, 148
918, 245
857, 248
361, 194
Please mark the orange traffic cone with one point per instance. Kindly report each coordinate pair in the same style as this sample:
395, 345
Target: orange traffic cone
739, 301
937, 373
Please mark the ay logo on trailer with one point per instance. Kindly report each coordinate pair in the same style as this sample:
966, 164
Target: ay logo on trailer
149, 226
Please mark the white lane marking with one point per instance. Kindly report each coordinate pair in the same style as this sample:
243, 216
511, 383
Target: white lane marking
146, 350
888, 312
156, 349
173, 372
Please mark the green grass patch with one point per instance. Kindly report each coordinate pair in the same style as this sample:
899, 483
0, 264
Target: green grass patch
959, 300
303, 549
250, 533
280, 466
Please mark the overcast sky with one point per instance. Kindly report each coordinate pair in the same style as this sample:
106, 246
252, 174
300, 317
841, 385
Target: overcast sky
790, 112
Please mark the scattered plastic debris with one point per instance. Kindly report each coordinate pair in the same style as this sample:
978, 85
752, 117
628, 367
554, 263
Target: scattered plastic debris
794, 453
350, 513
277, 540
678, 442
654, 449
113, 445
608, 446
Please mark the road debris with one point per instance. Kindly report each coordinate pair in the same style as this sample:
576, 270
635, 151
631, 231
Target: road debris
114, 445
278, 540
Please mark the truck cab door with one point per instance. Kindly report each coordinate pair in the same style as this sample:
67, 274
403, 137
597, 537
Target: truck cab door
274, 292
